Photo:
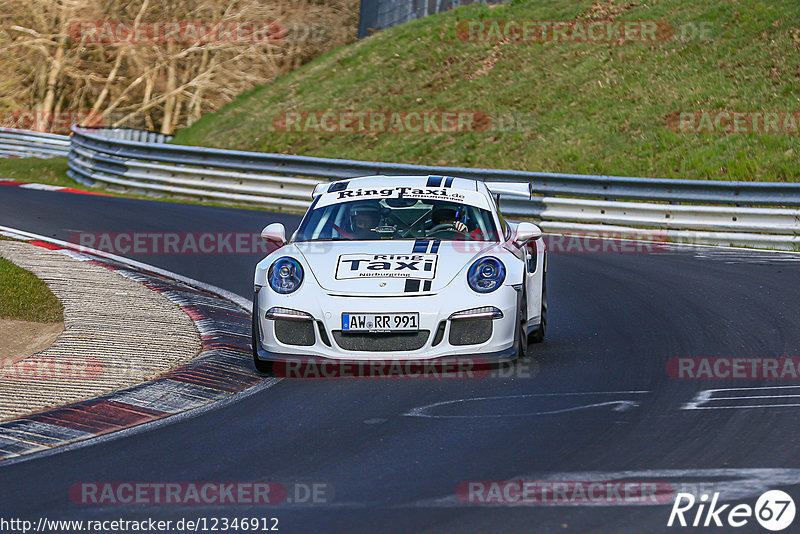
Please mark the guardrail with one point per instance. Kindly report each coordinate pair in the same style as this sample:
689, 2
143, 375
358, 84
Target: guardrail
757, 213
27, 144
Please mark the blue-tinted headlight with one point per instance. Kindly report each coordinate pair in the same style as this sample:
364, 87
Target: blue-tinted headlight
285, 275
486, 274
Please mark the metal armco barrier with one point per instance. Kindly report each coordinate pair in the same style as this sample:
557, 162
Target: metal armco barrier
381, 14
28, 144
758, 214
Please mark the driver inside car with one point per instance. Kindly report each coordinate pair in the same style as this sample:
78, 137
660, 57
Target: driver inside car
363, 220
446, 217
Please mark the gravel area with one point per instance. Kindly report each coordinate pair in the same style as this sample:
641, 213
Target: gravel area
117, 333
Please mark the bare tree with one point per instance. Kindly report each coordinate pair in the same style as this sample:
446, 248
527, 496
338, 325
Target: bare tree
75, 55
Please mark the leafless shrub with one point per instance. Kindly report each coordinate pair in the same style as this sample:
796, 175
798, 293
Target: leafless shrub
50, 66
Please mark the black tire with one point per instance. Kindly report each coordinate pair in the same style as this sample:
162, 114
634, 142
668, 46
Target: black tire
537, 336
262, 366
522, 328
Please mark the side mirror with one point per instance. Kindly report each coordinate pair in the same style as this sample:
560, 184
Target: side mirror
274, 233
527, 232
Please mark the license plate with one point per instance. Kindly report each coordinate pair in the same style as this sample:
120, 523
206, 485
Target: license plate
380, 322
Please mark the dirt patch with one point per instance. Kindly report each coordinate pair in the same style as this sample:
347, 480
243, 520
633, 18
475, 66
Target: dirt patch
488, 64
20, 339
608, 10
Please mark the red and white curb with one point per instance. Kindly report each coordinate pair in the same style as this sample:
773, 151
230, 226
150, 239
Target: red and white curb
47, 187
223, 369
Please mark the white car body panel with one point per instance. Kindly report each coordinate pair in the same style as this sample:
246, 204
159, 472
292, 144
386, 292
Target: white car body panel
450, 259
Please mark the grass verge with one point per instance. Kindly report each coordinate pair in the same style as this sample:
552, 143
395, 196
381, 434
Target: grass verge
52, 171
25, 297
599, 107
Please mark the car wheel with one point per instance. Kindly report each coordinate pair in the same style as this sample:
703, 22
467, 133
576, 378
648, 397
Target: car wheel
261, 365
538, 335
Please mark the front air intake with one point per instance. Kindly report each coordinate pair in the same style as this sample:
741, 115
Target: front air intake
470, 331
294, 332
381, 342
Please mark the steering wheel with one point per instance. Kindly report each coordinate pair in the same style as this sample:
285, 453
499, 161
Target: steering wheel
443, 227
448, 231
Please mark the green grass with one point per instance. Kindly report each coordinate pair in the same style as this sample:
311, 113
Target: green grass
26, 298
51, 171
597, 108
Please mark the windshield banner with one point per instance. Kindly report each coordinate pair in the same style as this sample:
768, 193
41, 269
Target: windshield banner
460, 196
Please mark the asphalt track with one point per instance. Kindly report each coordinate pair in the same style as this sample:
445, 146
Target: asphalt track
598, 402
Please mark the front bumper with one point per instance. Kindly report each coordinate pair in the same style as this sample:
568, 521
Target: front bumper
488, 358
322, 338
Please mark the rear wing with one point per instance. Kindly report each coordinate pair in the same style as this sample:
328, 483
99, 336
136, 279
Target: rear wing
320, 188
514, 189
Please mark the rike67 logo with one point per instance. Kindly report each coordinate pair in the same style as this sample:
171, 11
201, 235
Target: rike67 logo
774, 510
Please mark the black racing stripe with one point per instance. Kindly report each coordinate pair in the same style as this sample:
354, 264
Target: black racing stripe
427, 286
449, 182
434, 181
412, 286
428, 266
420, 245
435, 246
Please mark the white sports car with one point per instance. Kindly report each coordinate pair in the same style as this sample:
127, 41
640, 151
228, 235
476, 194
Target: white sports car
401, 268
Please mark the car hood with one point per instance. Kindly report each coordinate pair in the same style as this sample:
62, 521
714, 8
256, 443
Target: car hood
389, 268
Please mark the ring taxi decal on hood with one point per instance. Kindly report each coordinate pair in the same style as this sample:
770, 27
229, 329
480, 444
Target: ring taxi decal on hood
416, 266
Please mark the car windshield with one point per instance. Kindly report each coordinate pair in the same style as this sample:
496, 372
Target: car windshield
397, 218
